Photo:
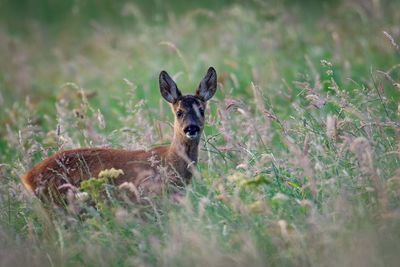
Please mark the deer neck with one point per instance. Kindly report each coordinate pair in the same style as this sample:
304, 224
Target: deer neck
186, 149
183, 154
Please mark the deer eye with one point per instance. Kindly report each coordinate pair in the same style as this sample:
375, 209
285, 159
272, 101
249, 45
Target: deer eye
201, 112
179, 114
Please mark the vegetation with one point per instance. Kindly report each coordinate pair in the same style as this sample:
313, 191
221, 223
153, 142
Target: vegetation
299, 162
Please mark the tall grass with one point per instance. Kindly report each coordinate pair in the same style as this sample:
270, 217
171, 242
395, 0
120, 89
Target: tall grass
299, 162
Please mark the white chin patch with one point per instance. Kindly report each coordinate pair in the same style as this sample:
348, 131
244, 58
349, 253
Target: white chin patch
192, 136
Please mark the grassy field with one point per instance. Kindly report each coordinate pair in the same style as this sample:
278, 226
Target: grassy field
299, 162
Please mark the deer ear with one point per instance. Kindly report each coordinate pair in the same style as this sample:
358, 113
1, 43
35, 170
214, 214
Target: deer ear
208, 85
168, 88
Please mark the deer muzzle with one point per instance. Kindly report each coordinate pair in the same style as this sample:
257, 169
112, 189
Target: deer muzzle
192, 132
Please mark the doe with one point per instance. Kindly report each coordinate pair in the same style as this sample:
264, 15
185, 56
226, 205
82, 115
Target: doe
51, 178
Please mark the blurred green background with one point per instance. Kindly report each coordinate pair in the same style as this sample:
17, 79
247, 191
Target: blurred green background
40, 39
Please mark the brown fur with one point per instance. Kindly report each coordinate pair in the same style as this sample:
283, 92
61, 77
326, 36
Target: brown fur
149, 171
73, 166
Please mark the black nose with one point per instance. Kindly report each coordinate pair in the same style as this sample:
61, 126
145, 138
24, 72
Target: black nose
192, 129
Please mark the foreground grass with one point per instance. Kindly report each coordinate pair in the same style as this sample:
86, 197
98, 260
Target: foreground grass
299, 163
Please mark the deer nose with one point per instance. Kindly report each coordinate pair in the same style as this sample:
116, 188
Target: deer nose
192, 131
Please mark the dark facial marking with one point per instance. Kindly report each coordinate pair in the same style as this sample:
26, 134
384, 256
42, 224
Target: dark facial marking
189, 104
188, 101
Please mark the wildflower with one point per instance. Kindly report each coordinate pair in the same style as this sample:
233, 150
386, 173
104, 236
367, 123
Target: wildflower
326, 63
110, 173
81, 196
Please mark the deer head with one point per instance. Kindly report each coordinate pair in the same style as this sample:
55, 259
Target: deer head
189, 109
